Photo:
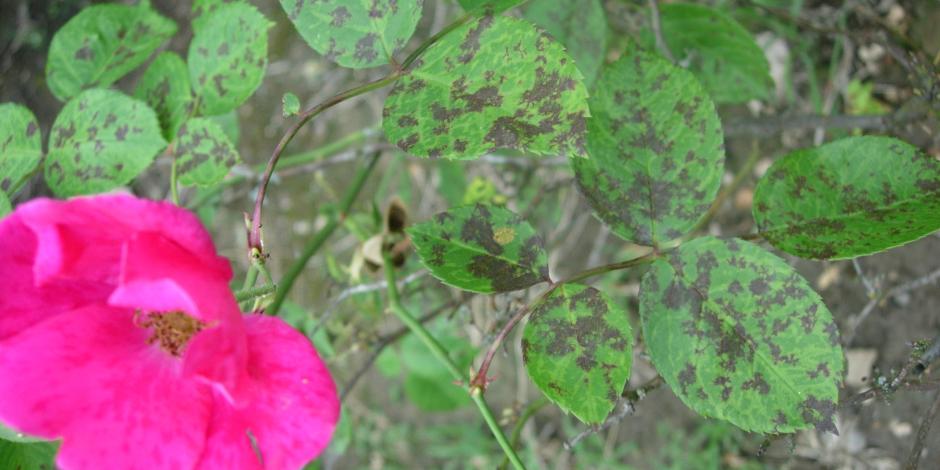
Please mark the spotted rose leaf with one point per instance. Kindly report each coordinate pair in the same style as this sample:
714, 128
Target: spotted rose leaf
656, 147
482, 249
496, 82
852, 197
101, 44
203, 153
721, 53
102, 139
484, 7
577, 348
227, 57
20, 146
165, 87
738, 335
355, 34
579, 25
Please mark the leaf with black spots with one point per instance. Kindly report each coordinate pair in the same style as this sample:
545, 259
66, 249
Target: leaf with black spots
852, 197
356, 34
488, 7
481, 249
102, 139
101, 44
718, 50
20, 146
496, 82
227, 57
738, 335
202, 10
577, 348
165, 87
203, 153
579, 25
656, 149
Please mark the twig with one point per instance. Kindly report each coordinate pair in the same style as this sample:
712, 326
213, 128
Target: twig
914, 460
878, 299
869, 287
656, 25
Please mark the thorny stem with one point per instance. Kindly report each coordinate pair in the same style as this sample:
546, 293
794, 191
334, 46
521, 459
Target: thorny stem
438, 351
528, 413
255, 292
254, 234
913, 460
314, 244
480, 379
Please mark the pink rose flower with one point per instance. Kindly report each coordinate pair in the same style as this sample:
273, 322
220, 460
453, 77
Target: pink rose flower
120, 336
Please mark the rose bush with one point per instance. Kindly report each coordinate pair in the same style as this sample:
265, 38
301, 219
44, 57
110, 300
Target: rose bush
119, 335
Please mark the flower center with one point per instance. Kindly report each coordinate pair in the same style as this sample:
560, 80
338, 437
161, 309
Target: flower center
171, 329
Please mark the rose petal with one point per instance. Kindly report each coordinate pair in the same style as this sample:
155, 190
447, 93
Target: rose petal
294, 406
83, 237
22, 304
90, 378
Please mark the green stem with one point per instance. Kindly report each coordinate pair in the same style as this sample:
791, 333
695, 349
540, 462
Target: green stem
254, 292
438, 351
289, 161
315, 243
529, 412
250, 278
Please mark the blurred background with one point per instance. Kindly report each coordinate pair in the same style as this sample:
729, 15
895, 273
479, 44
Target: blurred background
400, 409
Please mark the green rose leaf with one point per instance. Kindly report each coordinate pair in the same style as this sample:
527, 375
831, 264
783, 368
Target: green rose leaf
28, 456
738, 335
101, 44
481, 249
227, 57
484, 7
290, 104
656, 146
579, 25
721, 53
355, 34
5, 206
469, 95
852, 197
203, 153
20, 146
577, 348
102, 139
165, 87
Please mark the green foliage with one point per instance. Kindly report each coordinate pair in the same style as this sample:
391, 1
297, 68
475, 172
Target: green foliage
481, 249
102, 44
848, 198
739, 335
721, 53
227, 57
356, 34
5, 206
656, 149
28, 456
20, 146
203, 9
579, 25
203, 153
428, 383
290, 104
102, 139
468, 96
489, 7
577, 349
165, 87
